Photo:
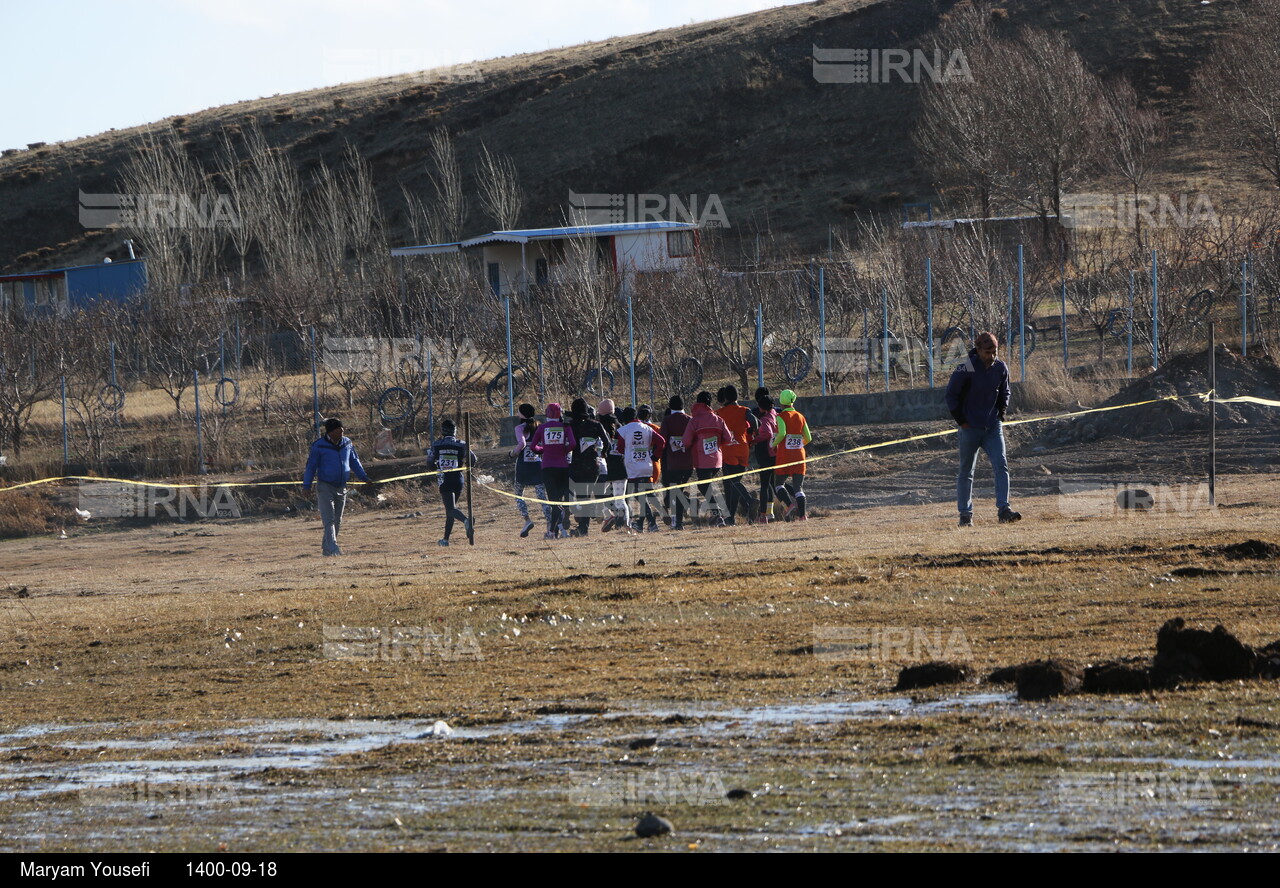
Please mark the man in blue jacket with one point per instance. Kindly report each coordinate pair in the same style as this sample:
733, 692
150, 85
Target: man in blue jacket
332, 460
978, 396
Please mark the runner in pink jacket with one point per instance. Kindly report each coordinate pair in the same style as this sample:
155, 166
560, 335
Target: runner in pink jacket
705, 438
554, 440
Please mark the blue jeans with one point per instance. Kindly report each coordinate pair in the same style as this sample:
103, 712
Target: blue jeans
992, 441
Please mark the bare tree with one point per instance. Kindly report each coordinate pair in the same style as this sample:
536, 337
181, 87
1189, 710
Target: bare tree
960, 131
29, 374
500, 195
1238, 88
449, 212
1133, 137
1051, 122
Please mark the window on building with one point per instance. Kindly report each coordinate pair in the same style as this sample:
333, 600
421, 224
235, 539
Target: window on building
679, 244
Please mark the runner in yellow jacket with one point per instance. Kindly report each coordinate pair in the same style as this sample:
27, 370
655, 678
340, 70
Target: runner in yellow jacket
793, 434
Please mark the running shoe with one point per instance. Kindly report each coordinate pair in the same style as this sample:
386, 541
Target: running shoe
528, 527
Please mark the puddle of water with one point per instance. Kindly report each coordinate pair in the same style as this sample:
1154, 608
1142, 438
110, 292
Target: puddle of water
818, 713
1225, 764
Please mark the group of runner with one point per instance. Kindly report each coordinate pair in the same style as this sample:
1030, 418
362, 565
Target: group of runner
634, 474
619, 467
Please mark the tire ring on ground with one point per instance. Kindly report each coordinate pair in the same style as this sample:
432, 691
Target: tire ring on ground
593, 375
497, 387
796, 365
111, 397
392, 419
689, 375
1199, 305
220, 392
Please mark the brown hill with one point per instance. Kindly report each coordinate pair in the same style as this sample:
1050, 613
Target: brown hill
729, 108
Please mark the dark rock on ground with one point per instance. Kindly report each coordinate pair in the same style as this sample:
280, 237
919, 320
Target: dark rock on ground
1257, 550
652, 825
737, 794
1136, 500
928, 675
1004, 675
1117, 678
1184, 654
1045, 679
643, 743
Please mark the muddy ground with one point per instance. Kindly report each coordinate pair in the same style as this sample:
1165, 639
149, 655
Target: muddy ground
189, 687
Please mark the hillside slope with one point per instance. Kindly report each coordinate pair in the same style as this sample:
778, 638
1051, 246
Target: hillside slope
728, 108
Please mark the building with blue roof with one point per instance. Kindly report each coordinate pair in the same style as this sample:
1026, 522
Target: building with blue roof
62, 290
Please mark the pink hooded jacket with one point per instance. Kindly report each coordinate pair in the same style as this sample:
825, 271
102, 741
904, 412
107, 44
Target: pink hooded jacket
706, 437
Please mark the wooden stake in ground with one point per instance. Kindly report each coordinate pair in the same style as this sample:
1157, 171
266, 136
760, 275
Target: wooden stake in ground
471, 525
1213, 415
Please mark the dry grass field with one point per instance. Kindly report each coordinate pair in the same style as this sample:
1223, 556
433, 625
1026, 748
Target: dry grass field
191, 686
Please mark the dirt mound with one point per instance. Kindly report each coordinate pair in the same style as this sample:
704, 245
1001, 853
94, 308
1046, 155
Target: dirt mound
1184, 376
930, 675
1045, 679
1121, 677
1250, 550
1182, 655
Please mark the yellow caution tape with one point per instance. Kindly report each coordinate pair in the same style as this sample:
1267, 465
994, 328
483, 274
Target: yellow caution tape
1204, 396
173, 486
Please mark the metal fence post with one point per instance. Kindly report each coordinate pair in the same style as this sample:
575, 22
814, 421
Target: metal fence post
760, 345
199, 428
1244, 309
822, 327
511, 380
1022, 318
928, 332
315, 384
1155, 311
884, 336
631, 344
66, 448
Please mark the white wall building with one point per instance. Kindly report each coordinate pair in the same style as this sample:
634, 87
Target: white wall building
515, 261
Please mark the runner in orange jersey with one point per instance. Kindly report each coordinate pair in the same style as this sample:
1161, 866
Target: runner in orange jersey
742, 426
793, 434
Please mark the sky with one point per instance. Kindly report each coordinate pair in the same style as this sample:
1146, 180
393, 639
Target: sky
73, 68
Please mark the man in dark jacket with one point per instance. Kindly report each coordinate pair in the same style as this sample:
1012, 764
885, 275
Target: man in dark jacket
451, 457
978, 396
592, 450
677, 463
332, 460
